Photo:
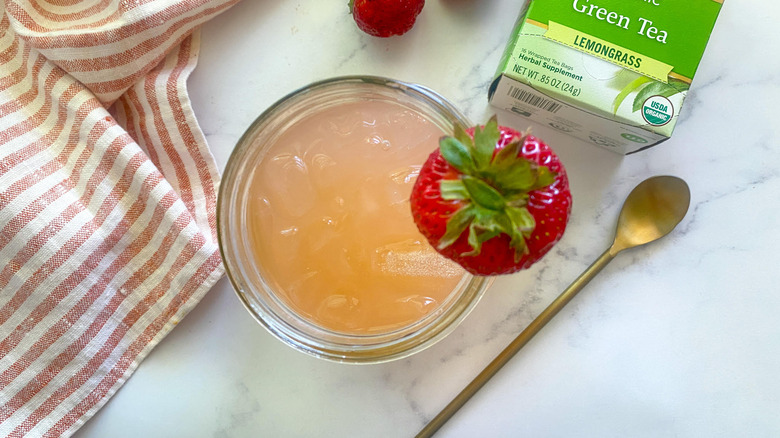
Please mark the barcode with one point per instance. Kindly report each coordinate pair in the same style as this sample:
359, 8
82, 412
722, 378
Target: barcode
534, 100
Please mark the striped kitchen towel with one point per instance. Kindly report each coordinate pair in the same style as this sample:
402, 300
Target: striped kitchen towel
107, 199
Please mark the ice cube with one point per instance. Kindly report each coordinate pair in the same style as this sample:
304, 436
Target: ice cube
412, 257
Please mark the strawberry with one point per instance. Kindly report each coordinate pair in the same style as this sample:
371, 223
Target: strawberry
492, 199
384, 18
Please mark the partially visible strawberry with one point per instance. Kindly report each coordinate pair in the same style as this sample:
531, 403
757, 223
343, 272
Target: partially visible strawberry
491, 199
385, 18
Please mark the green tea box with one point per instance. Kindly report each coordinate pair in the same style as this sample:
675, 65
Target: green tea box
613, 73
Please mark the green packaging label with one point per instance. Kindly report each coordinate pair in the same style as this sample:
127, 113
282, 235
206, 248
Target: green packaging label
611, 72
669, 32
621, 56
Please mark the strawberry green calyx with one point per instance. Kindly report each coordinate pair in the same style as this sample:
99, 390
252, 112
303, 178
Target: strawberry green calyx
492, 188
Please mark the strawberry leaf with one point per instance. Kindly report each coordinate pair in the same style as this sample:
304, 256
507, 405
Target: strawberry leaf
522, 219
510, 152
457, 154
515, 175
486, 225
485, 140
518, 199
544, 177
492, 220
457, 224
462, 136
483, 194
477, 237
523, 224
453, 189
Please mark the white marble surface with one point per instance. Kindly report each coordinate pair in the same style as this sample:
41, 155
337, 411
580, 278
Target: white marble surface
680, 338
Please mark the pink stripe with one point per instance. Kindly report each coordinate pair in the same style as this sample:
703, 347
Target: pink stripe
190, 142
10, 52
131, 96
122, 83
36, 242
28, 96
5, 27
130, 334
124, 363
56, 331
18, 75
126, 119
23, 16
67, 250
64, 2
27, 213
91, 39
54, 298
94, 364
180, 173
132, 54
76, 16
99, 289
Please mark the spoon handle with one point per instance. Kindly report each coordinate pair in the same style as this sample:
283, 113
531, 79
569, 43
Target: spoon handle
518, 343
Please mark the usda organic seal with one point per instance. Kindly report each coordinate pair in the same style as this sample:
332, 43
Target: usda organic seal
657, 110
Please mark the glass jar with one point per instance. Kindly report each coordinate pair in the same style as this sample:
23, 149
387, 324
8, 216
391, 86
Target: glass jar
252, 283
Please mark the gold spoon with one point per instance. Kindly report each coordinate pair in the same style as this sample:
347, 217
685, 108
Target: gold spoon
651, 211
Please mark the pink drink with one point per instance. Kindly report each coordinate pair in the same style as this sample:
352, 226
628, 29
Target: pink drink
329, 219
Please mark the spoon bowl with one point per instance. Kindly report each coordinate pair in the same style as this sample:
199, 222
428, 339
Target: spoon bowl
651, 211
